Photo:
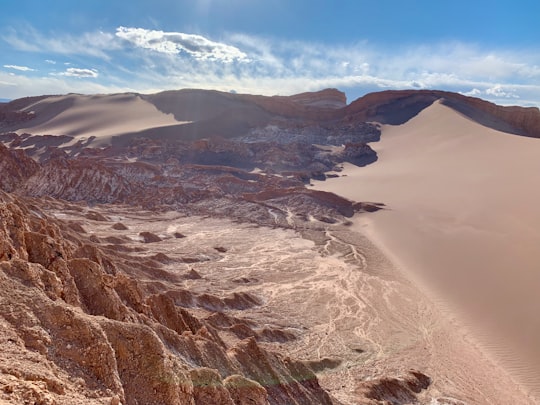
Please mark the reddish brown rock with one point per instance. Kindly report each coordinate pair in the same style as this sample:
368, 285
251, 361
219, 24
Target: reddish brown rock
16, 167
244, 391
149, 237
105, 336
208, 389
149, 374
395, 390
119, 226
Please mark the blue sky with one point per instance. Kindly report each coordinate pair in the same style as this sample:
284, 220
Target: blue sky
489, 49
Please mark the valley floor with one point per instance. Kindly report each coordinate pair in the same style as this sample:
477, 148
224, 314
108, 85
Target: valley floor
337, 302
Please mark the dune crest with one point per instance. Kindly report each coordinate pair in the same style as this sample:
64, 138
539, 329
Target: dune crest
101, 117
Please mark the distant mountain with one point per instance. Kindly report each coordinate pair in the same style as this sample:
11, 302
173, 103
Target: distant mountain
398, 106
196, 114
4, 100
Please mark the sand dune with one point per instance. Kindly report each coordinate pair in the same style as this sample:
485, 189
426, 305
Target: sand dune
462, 220
96, 116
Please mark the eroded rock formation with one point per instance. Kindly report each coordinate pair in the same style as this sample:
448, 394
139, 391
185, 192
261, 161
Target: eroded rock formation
94, 331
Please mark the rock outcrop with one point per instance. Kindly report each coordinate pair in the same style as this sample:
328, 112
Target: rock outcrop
395, 390
16, 167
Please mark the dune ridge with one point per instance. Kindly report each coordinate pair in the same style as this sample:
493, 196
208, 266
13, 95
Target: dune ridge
95, 116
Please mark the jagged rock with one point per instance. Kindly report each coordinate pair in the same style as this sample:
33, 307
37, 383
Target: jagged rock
208, 389
96, 289
70, 302
16, 167
323, 364
96, 216
148, 373
276, 375
119, 226
193, 275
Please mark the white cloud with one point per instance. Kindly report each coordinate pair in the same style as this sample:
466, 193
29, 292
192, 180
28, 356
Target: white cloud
20, 68
196, 46
52, 62
499, 91
472, 93
13, 87
76, 72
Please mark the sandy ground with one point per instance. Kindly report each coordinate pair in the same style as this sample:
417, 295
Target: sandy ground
96, 116
350, 309
462, 221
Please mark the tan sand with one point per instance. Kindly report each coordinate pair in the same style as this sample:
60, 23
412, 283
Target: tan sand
463, 221
96, 116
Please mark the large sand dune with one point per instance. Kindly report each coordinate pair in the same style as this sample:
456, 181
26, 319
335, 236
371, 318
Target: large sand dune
97, 116
463, 220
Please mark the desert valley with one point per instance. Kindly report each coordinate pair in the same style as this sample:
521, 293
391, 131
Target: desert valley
201, 247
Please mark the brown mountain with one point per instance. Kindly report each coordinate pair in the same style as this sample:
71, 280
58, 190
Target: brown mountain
398, 106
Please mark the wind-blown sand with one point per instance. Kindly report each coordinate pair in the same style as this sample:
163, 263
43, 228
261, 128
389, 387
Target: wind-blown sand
463, 221
96, 116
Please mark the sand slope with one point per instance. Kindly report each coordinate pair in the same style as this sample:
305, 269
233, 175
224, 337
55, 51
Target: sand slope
98, 116
463, 219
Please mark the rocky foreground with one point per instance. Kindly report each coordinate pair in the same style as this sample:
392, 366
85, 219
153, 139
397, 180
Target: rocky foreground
115, 287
